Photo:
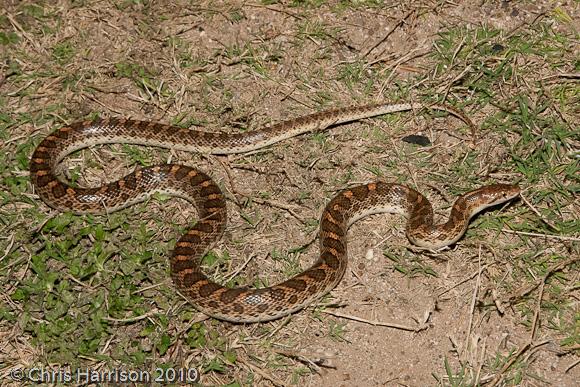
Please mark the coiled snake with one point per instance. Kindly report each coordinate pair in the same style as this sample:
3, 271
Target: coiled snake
242, 304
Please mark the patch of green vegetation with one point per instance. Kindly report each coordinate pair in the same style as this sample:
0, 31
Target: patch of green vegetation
290, 259
137, 155
213, 260
184, 54
410, 264
7, 38
313, 29
454, 378
63, 52
517, 370
350, 4
307, 3
144, 78
85, 322
33, 10
303, 195
299, 373
237, 15
185, 121
352, 74
320, 138
336, 330
132, 4
257, 57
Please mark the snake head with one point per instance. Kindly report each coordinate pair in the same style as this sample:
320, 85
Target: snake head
491, 195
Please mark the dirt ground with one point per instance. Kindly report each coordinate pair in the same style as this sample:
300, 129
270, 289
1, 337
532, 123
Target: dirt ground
400, 317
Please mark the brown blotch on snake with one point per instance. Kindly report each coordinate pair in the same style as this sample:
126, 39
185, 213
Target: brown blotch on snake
317, 275
231, 295
208, 289
184, 264
247, 305
295, 283
330, 259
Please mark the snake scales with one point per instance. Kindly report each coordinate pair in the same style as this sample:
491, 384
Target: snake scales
243, 304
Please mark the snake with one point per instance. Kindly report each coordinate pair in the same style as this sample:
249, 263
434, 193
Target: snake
244, 304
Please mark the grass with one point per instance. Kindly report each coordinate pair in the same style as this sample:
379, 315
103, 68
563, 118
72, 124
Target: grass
94, 291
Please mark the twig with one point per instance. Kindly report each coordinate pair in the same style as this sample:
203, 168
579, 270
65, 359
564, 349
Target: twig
526, 290
271, 8
538, 213
463, 281
139, 291
263, 373
473, 301
8, 248
234, 190
281, 206
507, 365
132, 319
23, 33
529, 344
399, 24
562, 75
572, 366
315, 364
537, 311
378, 323
534, 234
415, 53
239, 269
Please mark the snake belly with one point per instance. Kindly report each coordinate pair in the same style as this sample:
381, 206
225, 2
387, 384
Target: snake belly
243, 304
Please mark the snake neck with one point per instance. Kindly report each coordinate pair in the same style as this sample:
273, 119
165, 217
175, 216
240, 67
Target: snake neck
421, 230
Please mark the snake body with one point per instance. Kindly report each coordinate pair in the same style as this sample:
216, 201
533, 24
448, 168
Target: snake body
244, 304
